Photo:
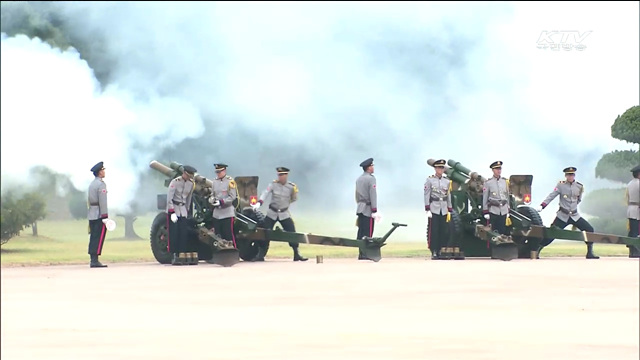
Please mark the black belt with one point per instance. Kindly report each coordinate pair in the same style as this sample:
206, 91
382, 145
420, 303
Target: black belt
277, 210
177, 203
497, 202
94, 204
633, 203
568, 212
433, 198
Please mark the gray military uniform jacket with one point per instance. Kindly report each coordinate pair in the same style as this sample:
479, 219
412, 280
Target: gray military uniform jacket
224, 190
570, 197
281, 198
366, 194
437, 195
97, 199
633, 199
495, 196
179, 196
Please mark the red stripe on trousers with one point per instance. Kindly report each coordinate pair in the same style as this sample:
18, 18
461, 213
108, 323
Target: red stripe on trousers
168, 241
429, 226
101, 239
370, 227
233, 235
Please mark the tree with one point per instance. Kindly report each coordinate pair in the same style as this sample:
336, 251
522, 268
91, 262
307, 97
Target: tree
627, 126
78, 204
16, 214
608, 204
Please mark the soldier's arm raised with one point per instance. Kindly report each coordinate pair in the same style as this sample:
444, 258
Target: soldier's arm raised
294, 192
265, 193
427, 195
551, 196
485, 197
102, 200
373, 195
170, 193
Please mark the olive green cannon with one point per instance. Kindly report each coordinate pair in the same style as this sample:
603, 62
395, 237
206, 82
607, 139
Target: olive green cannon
470, 236
247, 226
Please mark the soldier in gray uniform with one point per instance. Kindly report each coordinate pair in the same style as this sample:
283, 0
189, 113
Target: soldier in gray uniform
495, 199
570, 192
437, 204
283, 194
178, 204
224, 199
98, 214
367, 200
633, 209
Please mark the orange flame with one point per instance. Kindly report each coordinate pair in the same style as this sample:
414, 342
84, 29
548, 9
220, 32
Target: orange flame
527, 198
254, 200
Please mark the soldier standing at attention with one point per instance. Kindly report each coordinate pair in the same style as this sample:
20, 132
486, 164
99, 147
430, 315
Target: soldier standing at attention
223, 198
437, 204
97, 214
495, 199
178, 205
570, 192
633, 208
283, 194
367, 200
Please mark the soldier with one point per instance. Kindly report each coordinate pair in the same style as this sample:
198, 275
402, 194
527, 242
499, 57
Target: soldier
633, 208
178, 205
570, 192
283, 194
98, 214
437, 204
495, 199
224, 197
367, 200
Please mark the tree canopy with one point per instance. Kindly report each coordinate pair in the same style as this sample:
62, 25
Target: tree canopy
616, 165
16, 214
627, 126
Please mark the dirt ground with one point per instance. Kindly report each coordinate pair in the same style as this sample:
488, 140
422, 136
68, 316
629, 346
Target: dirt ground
341, 309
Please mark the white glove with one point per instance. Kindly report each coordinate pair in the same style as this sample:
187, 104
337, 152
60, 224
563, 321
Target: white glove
486, 216
109, 224
174, 218
377, 217
216, 203
255, 206
507, 216
539, 208
429, 215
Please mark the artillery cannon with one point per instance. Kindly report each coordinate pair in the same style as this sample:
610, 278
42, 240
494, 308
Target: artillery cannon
248, 226
469, 231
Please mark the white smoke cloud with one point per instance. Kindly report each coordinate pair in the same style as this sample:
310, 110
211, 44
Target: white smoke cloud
400, 82
54, 113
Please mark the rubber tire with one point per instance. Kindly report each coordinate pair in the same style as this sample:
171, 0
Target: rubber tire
159, 246
249, 249
531, 213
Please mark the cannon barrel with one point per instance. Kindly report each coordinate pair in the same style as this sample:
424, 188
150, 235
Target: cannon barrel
457, 166
175, 169
165, 170
452, 174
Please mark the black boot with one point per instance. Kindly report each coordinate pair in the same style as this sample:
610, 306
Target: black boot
95, 263
434, 254
175, 260
590, 254
262, 252
297, 256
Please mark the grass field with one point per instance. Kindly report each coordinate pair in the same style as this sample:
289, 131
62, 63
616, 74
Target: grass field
66, 242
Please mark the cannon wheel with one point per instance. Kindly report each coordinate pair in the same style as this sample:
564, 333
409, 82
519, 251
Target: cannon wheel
523, 243
249, 249
158, 237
